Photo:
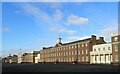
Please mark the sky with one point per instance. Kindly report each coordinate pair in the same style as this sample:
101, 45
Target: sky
33, 25
60, 0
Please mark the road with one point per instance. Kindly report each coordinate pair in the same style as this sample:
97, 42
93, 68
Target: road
58, 68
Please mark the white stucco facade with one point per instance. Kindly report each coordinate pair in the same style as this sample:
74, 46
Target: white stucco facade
19, 58
37, 59
101, 54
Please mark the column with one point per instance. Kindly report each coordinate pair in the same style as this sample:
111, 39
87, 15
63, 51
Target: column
99, 58
104, 58
110, 58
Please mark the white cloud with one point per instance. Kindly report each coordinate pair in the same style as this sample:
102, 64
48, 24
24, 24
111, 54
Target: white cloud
4, 30
56, 30
107, 32
58, 15
55, 5
35, 12
39, 15
76, 20
73, 38
51, 20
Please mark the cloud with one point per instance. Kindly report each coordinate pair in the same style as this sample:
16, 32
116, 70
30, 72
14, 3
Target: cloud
74, 38
63, 31
35, 12
107, 32
77, 37
54, 19
58, 15
76, 20
4, 30
55, 5
42, 16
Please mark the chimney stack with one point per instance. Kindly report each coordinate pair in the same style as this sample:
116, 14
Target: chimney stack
101, 38
93, 37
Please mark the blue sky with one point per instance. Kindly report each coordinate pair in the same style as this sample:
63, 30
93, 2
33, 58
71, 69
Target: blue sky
31, 26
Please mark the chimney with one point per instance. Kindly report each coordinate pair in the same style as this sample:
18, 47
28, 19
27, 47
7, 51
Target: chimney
101, 38
93, 37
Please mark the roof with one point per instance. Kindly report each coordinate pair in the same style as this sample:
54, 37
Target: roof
88, 39
47, 47
77, 41
26, 54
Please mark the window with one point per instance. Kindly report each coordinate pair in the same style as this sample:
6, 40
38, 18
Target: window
82, 51
82, 58
108, 48
86, 51
72, 47
98, 49
72, 58
79, 52
86, 44
116, 57
72, 53
75, 46
116, 39
69, 53
103, 49
82, 45
78, 45
86, 58
59, 54
66, 53
69, 59
116, 46
94, 49
75, 52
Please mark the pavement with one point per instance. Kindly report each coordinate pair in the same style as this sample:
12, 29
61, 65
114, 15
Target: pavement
58, 68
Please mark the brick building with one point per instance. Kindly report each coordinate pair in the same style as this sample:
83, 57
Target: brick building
13, 59
78, 51
116, 48
10, 59
27, 58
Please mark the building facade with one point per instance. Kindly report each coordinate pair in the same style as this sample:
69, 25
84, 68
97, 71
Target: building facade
13, 59
78, 51
10, 59
37, 58
101, 54
20, 58
116, 48
27, 57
